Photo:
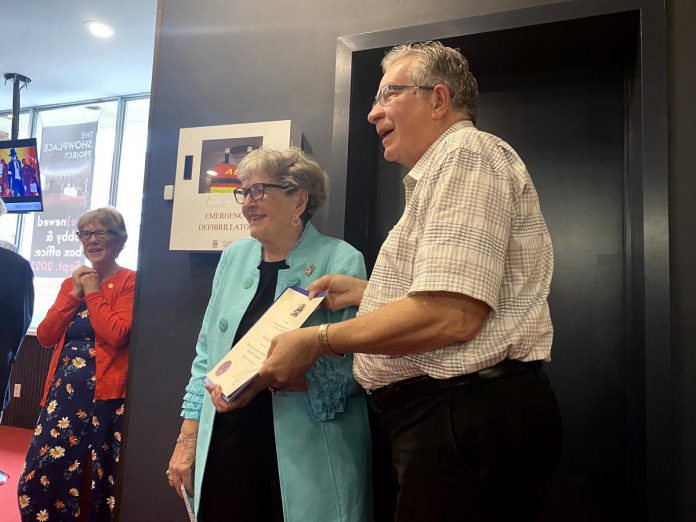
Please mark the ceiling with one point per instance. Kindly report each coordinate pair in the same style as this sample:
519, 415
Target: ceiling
67, 64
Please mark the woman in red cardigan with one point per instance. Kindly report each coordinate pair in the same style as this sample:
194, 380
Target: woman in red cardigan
71, 463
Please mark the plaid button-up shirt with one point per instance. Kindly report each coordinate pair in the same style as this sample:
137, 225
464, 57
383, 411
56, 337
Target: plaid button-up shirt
472, 225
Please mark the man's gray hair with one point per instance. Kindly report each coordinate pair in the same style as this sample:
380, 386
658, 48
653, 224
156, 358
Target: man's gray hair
437, 63
290, 167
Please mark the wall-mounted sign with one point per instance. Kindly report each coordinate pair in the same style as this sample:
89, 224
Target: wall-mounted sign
206, 216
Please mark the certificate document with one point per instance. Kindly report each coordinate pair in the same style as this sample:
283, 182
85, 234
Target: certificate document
188, 500
243, 362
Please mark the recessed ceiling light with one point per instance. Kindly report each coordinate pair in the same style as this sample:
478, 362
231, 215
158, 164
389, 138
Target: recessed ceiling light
99, 29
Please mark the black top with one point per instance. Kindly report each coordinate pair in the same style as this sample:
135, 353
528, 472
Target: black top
247, 480
263, 298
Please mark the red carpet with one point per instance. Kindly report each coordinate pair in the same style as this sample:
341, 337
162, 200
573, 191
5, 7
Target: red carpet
13, 448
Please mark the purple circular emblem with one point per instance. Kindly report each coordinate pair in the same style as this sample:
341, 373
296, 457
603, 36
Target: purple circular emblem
222, 369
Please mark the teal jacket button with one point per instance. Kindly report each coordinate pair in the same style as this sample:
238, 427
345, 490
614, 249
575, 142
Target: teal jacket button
248, 282
293, 281
222, 324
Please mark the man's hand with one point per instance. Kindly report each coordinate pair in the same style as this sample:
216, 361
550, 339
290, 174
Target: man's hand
343, 291
290, 356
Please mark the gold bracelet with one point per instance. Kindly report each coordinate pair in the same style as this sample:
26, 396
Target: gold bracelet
186, 440
323, 335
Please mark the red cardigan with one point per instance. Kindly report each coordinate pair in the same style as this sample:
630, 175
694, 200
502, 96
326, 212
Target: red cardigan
110, 313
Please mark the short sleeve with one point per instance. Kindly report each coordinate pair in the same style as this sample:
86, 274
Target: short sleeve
464, 216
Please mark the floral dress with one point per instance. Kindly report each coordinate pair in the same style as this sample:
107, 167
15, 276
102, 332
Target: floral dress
74, 434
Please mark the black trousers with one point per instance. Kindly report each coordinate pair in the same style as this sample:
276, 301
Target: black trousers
241, 481
479, 451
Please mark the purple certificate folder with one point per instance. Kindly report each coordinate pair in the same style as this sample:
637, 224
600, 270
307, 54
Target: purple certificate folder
238, 369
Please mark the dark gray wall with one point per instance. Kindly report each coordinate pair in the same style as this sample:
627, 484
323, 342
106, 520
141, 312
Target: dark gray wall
681, 17
224, 62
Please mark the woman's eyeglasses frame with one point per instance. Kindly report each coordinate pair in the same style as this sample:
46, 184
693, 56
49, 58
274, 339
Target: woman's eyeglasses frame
257, 191
101, 234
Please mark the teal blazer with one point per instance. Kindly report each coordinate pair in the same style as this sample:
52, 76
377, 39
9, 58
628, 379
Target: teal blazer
322, 436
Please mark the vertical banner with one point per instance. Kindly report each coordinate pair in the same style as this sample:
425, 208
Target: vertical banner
67, 166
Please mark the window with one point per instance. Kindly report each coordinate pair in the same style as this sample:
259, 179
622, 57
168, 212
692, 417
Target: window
24, 125
117, 179
129, 194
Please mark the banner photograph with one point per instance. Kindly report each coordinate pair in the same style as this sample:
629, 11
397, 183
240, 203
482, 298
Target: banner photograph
67, 164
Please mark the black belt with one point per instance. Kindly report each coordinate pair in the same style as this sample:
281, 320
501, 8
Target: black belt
409, 390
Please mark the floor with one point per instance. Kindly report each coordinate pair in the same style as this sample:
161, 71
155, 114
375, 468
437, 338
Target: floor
13, 448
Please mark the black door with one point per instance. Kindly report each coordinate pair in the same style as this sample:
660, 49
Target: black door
567, 124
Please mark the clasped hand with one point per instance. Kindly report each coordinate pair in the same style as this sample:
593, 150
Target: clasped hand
85, 281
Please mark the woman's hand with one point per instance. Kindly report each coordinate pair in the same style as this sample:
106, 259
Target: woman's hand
77, 289
223, 406
343, 291
181, 464
90, 282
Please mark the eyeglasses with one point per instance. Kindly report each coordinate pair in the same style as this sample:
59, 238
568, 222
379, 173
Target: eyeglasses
102, 233
387, 91
257, 191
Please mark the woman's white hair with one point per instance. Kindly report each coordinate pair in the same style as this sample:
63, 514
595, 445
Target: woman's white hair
290, 167
107, 217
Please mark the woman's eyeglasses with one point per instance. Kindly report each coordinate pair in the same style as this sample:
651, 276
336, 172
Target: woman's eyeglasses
257, 191
102, 233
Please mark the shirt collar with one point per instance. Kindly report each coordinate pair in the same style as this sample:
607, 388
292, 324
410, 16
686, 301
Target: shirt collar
420, 168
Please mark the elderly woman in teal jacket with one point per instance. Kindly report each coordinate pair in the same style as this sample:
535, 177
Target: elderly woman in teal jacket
297, 456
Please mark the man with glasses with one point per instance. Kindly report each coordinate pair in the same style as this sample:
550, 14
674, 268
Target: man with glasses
453, 324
